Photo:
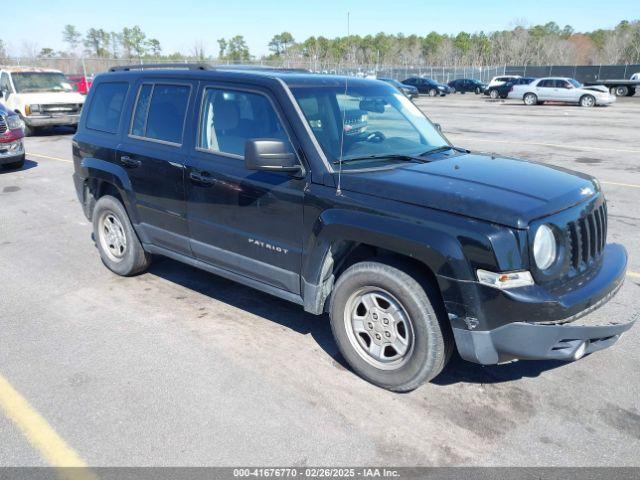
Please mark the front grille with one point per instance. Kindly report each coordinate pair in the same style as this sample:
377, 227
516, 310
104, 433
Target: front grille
61, 108
3, 125
587, 237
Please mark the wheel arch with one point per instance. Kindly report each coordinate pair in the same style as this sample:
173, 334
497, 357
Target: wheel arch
105, 178
343, 238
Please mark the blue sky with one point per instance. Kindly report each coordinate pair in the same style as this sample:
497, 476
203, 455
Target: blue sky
179, 24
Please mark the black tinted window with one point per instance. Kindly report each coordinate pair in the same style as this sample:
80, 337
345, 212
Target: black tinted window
544, 83
139, 122
106, 106
160, 112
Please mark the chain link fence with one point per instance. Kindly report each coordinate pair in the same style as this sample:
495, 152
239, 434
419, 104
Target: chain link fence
583, 73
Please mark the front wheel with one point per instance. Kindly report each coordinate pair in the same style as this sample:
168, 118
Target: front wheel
530, 99
587, 101
120, 249
477, 90
387, 326
433, 92
494, 94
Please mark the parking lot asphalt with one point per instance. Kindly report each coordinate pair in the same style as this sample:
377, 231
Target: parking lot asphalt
180, 367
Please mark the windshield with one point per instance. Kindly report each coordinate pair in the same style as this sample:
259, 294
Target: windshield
575, 83
378, 121
40, 82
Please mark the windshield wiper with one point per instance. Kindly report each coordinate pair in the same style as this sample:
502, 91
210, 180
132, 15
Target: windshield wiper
443, 148
386, 156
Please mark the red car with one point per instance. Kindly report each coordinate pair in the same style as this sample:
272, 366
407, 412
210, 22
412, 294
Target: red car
11, 135
80, 83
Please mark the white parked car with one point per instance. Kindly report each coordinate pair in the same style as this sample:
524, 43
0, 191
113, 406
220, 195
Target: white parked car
42, 97
501, 80
562, 89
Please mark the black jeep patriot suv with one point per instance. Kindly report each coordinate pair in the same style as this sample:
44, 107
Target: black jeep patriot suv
412, 245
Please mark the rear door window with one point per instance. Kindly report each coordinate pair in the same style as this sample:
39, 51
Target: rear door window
160, 112
106, 107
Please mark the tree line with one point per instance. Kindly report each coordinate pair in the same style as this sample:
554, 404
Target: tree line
520, 45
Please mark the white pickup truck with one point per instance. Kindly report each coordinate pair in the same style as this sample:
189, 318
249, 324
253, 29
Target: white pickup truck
42, 97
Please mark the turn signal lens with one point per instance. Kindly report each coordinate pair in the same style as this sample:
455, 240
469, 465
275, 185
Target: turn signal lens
505, 280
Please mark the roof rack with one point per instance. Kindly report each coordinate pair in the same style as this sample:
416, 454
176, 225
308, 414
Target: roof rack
145, 66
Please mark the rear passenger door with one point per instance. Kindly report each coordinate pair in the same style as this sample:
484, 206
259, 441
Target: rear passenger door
248, 222
153, 152
545, 89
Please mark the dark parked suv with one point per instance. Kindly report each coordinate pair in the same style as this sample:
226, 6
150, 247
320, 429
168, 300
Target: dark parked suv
414, 246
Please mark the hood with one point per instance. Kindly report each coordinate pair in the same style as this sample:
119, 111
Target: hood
50, 97
495, 189
596, 88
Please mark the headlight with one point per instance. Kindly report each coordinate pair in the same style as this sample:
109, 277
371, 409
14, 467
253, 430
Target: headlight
440, 87
544, 247
35, 108
14, 122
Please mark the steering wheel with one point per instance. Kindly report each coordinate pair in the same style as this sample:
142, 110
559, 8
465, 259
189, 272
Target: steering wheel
376, 137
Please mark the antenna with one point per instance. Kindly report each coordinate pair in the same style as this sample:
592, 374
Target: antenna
344, 114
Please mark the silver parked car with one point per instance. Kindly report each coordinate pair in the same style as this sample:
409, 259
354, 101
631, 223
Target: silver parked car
561, 89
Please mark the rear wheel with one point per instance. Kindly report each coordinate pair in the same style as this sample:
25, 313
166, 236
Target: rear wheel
387, 326
494, 94
530, 99
632, 92
587, 101
120, 249
621, 91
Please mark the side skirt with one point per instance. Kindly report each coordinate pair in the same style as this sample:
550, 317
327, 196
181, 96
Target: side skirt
236, 277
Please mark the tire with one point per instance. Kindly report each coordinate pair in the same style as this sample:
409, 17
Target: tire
413, 322
117, 242
621, 91
530, 99
477, 90
433, 92
14, 165
587, 101
493, 94
632, 92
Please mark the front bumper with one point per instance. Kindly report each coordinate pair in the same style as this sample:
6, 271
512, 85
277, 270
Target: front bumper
11, 152
605, 99
531, 323
51, 120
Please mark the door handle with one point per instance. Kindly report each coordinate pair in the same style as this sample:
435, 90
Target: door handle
130, 162
203, 178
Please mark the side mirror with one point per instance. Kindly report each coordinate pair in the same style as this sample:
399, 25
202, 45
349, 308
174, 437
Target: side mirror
438, 127
270, 155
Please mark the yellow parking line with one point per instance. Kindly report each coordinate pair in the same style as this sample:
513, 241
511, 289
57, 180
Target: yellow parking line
40, 434
633, 274
630, 185
39, 155
554, 145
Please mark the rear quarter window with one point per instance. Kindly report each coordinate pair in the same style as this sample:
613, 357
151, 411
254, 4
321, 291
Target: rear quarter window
105, 110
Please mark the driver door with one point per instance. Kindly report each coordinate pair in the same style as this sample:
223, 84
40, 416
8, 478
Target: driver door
245, 221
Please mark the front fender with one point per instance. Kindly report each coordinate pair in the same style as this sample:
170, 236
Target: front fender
441, 252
